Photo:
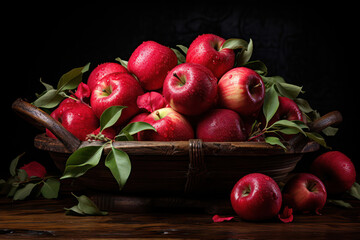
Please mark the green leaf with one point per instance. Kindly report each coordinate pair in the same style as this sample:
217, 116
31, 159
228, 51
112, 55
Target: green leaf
82, 160
339, 203
22, 193
303, 105
119, 164
183, 48
288, 90
274, 141
355, 190
258, 66
316, 137
271, 103
234, 43
46, 85
14, 163
74, 211
133, 128
11, 189
269, 81
50, 99
245, 54
110, 116
180, 57
330, 131
50, 189
282, 124
122, 62
22, 175
87, 207
72, 79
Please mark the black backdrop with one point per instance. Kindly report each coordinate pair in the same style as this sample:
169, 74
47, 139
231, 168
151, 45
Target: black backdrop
308, 45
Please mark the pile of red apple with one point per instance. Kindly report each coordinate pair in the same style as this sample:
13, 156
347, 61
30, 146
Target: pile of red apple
204, 97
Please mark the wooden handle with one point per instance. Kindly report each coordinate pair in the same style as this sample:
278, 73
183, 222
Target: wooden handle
332, 118
39, 118
329, 119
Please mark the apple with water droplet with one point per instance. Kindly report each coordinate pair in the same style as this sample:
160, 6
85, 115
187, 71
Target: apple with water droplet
75, 116
242, 90
101, 71
256, 197
116, 89
221, 125
206, 50
304, 192
336, 171
150, 63
190, 89
170, 126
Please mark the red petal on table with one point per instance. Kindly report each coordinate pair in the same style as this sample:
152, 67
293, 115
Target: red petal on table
217, 218
287, 215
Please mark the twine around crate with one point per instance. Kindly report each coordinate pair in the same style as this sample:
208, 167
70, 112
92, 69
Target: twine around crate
197, 171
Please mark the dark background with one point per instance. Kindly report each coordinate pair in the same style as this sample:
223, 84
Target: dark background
311, 46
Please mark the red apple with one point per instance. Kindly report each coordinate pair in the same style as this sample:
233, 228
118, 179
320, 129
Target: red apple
120, 89
242, 90
256, 197
336, 170
150, 62
190, 88
220, 125
205, 50
101, 71
77, 117
304, 192
170, 126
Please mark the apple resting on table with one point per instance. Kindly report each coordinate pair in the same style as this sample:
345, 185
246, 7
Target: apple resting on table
304, 192
336, 170
256, 197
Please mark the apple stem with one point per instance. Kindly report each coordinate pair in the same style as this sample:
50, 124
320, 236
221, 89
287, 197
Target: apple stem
158, 114
180, 80
257, 85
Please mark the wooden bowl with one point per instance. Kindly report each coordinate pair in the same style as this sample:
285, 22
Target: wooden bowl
180, 167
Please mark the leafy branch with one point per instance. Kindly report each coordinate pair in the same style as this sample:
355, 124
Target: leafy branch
51, 97
117, 160
19, 186
275, 87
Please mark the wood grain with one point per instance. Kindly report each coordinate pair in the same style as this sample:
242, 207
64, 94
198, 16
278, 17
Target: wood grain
46, 219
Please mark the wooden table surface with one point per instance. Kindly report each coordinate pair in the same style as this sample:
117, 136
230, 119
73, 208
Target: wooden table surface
46, 219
